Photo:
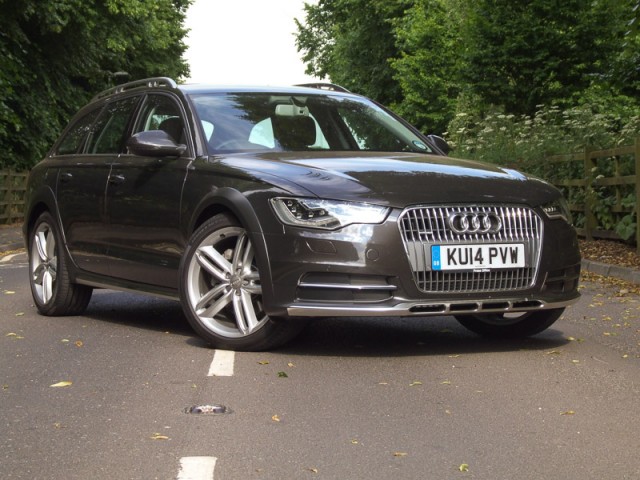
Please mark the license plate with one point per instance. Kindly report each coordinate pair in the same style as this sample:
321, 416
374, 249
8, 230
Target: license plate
474, 257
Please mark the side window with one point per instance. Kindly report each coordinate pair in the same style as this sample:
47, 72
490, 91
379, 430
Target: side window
108, 134
75, 136
161, 112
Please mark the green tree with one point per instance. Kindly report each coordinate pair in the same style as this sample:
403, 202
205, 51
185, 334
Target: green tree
625, 74
520, 54
351, 42
56, 54
427, 68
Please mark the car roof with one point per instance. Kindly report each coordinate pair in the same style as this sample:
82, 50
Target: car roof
165, 83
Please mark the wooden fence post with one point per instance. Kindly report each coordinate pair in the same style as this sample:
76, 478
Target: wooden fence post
590, 223
637, 173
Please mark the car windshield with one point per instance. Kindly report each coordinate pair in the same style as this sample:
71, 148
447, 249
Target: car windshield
238, 122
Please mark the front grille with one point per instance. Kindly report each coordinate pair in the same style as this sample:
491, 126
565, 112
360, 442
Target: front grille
422, 227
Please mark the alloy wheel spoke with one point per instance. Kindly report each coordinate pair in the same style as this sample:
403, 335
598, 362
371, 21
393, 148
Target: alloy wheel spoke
245, 314
215, 308
214, 263
249, 310
38, 274
208, 297
50, 246
41, 245
47, 286
239, 253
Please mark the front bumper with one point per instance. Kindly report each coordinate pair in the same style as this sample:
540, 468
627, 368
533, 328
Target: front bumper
366, 270
430, 308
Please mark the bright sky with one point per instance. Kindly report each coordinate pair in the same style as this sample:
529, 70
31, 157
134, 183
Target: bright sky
248, 42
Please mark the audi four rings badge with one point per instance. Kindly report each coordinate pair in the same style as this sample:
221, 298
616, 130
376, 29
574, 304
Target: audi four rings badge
474, 222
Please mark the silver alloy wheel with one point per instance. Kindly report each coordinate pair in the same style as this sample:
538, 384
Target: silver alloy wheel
44, 262
223, 284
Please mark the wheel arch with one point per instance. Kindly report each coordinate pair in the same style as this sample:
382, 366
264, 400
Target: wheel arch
42, 201
232, 202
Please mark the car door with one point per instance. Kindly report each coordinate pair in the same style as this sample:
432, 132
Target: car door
82, 181
143, 202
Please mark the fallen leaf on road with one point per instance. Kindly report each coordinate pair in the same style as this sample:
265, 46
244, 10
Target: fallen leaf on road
290, 365
400, 454
464, 467
9, 292
79, 343
446, 382
568, 412
313, 470
275, 418
354, 442
158, 436
554, 352
263, 362
19, 314
65, 383
283, 375
414, 383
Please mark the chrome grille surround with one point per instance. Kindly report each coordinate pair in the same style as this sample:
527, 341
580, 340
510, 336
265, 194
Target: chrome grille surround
424, 226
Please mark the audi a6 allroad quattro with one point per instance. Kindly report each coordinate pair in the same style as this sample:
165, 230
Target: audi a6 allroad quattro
258, 208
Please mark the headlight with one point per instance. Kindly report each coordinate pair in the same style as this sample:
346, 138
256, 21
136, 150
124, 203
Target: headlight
559, 208
325, 214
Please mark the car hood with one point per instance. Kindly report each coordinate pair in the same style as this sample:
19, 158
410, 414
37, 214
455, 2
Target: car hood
394, 179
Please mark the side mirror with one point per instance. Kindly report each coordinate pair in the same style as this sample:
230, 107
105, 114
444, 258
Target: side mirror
440, 143
154, 143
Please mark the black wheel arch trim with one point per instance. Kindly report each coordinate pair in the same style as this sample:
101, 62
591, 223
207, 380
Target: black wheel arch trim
238, 205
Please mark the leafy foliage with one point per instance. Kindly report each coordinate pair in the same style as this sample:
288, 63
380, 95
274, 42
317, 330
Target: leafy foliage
523, 54
55, 54
507, 81
426, 78
351, 41
425, 57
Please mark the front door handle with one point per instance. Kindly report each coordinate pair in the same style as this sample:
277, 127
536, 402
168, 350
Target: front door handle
116, 179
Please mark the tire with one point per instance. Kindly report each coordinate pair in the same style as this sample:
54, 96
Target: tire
220, 290
520, 325
52, 290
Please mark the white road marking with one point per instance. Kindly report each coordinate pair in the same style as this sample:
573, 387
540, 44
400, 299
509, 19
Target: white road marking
222, 364
8, 258
196, 468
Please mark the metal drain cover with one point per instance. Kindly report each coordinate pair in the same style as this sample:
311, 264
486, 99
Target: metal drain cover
207, 410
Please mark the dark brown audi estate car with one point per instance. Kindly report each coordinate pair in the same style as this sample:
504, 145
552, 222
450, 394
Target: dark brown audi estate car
258, 207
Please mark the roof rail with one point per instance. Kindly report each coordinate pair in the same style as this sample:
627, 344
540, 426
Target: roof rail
147, 82
324, 86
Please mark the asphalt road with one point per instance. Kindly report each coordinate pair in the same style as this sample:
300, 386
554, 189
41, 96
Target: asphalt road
396, 399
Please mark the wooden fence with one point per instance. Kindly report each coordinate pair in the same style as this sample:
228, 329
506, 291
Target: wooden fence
587, 168
13, 186
598, 170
